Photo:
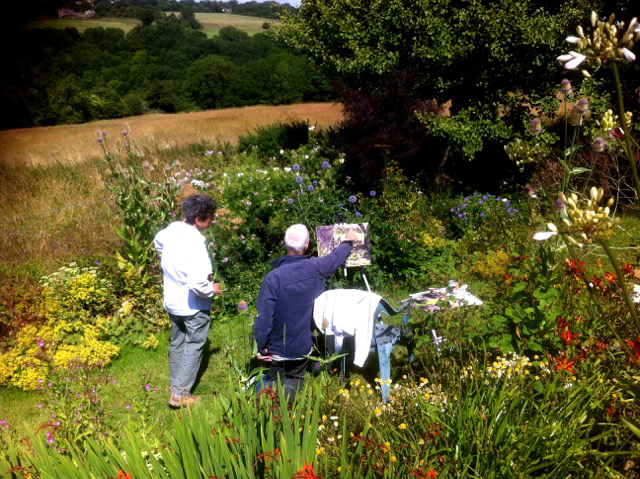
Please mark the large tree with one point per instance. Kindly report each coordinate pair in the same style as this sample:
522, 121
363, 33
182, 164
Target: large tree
491, 59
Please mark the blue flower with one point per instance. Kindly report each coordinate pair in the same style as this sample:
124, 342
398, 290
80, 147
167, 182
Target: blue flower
298, 179
290, 201
315, 183
358, 215
372, 193
452, 210
310, 188
484, 197
482, 213
296, 167
352, 199
339, 205
480, 202
325, 164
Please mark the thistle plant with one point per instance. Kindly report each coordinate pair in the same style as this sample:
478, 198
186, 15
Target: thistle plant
606, 44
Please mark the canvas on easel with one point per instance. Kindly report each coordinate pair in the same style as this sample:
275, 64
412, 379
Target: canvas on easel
330, 236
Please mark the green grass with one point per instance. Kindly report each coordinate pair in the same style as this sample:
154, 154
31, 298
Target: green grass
136, 367
125, 24
211, 23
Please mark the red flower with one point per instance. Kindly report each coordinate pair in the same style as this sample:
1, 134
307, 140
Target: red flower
610, 277
574, 268
613, 411
122, 475
596, 281
564, 365
635, 347
627, 269
567, 336
419, 473
506, 278
306, 472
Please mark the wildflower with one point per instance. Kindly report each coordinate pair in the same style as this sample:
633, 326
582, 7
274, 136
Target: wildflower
358, 214
122, 475
608, 42
298, 179
394, 458
325, 165
635, 347
125, 132
403, 426
610, 277
100, 140
296, 167
147, 386
352, 199
372, 193
290, 201
598, 145
241, 306
128, 407
377, 411
310, 188
564, 365
565, 87
535, 127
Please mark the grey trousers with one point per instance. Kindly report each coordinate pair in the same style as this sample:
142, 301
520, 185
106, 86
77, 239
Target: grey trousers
188, 336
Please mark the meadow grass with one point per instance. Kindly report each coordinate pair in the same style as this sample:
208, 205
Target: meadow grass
54, 205
211, 23
81, 25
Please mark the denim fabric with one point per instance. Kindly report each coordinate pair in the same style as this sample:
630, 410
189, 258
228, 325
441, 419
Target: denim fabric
291, 374
188, 336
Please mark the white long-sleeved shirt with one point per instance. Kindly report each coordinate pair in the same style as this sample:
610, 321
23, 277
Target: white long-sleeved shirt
348, 312
186, 266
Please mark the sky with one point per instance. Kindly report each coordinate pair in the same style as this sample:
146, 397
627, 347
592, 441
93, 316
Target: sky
295, 3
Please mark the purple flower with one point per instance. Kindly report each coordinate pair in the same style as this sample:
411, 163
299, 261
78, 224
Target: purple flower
248, 203
103, 132
559, 204
100, 140
298, 179
310, 188
535, 127
290, 201
242, 306
582, 106
147, 386
242, 237
225, 260
358, 215
315, 183
352, 199
452, 210
480, 202
372, 193
598, 145
325, 164
565, 87
127, 407
125, 132
339, 205
482, 213
296, 167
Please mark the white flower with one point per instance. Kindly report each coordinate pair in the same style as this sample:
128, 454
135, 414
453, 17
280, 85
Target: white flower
281, 152
572, 60
311, 128
544, 235
572, 39
628, 54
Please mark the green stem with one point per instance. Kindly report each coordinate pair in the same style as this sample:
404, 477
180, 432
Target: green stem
625, 128
623, 284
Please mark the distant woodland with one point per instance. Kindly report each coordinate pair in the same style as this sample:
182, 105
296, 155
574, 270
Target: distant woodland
166, 64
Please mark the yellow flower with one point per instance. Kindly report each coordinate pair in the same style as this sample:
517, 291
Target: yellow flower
421, 441
378, 411
394, 458
403, 426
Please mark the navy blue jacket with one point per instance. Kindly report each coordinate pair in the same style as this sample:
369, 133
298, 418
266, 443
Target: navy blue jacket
285, 302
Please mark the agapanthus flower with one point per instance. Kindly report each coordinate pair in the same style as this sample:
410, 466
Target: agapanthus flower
535, 127
598, 145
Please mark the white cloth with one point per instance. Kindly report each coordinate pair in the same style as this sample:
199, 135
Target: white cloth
186, 266
348, 312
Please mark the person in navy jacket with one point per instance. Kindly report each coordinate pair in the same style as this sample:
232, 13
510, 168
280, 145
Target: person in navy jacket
282, 328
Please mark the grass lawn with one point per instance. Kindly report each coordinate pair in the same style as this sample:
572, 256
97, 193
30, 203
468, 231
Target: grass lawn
125, 24
136, 367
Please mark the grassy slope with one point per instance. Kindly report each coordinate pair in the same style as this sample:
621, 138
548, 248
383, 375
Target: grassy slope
211, 23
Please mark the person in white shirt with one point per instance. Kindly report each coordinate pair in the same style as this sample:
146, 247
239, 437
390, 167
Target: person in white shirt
188, 289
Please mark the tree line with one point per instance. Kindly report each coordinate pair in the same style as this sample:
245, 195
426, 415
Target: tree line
55, 76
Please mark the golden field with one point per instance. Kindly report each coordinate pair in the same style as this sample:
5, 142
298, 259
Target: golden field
69, 144
53, 203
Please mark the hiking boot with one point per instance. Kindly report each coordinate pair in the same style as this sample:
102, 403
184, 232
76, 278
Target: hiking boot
179, 401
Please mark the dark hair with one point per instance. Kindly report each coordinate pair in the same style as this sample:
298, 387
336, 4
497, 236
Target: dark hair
198, 207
